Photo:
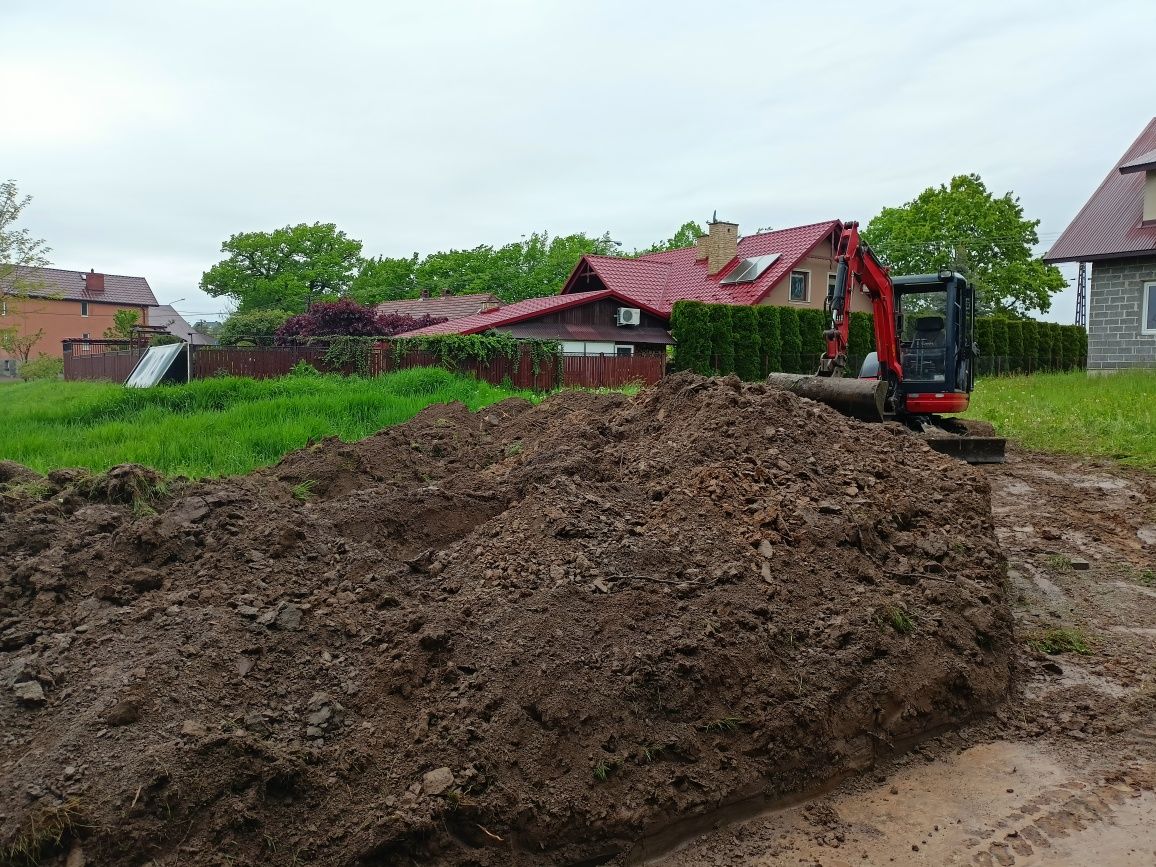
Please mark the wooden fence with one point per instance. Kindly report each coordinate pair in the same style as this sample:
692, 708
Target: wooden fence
264, 362
101, 359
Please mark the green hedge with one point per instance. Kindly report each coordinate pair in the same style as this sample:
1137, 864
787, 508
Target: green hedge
722, 338
754, 341
770, 338
792, 340
748, 359
690, 323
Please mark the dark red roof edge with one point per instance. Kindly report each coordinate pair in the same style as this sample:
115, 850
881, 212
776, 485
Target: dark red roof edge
579, 298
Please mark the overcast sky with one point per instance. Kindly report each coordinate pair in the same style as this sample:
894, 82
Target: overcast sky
148, 132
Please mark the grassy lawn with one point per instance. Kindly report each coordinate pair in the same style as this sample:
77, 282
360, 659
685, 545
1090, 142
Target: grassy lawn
1106, 416
213, 427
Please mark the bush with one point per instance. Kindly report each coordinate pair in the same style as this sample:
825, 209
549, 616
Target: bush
722, 340
1015, 344
770, 338
983, 336
42, 367
1030, 331
347, 318
862, 336
792, 341
1043, 346
690, 327
748, 360
247, 329
999, 340
1057, 345
812, 324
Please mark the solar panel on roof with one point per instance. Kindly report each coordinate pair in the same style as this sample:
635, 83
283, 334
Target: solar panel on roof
749, 270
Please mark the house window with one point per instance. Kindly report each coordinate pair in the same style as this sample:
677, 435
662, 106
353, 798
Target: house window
800, 286
624, 350
84, 308
831, 279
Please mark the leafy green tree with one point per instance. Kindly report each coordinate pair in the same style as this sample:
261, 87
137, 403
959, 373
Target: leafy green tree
384, 279
286, 269
255, 326
208, 327
722, 339
986, 340
123, 324
748, 359
686, 236
1057, 331
770, 338
961, 226
20, 290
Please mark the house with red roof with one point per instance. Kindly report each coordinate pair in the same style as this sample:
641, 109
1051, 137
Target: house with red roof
443, 306
614, 305
1116, 232
56, 304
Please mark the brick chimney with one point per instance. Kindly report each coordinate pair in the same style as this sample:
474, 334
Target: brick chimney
719, 245
94, 282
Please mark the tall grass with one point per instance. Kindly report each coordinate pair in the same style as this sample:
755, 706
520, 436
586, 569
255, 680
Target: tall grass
1111, 416
213, 427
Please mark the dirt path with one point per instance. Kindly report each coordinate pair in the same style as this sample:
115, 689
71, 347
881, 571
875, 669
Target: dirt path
1063, 775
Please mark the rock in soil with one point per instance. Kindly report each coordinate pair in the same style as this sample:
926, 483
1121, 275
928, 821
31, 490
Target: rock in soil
469, 653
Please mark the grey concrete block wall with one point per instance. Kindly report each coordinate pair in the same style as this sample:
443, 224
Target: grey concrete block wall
1115, 301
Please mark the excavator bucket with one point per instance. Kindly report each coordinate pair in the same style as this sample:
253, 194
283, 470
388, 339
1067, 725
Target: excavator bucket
974, 450
864, 399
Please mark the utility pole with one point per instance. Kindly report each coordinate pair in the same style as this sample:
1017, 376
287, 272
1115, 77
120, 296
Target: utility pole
1082, 296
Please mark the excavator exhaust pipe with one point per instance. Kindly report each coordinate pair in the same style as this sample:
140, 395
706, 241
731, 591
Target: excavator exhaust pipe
858, 398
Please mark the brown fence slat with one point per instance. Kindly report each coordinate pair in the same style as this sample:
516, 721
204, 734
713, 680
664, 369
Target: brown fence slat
84, 361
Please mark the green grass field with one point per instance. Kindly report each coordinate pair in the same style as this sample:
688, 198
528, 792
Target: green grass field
1073, 413
213, 427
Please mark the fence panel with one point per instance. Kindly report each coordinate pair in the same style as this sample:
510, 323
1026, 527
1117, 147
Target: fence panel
608, 371
258, 362
100, 359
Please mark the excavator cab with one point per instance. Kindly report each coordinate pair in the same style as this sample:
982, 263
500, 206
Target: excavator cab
934, 327
935, 321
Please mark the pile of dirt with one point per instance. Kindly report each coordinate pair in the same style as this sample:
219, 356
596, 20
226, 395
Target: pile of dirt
536, 634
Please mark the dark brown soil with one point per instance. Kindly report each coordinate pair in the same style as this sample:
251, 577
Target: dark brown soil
531, 635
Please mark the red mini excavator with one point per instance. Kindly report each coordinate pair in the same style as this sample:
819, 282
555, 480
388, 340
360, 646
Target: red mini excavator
923, 364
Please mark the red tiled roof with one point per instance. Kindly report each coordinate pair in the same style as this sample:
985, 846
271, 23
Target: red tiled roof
658, 280
522, 310
70, 286
1110, 225
449, 306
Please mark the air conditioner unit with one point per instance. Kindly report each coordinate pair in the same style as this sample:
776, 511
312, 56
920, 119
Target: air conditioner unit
629, 316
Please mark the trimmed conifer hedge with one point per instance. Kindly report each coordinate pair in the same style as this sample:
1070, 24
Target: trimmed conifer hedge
691, 327
748, 361
1015, 344
770, 338
792, 340
722, 338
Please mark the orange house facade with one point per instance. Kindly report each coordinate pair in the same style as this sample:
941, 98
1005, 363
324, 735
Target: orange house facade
60, 304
